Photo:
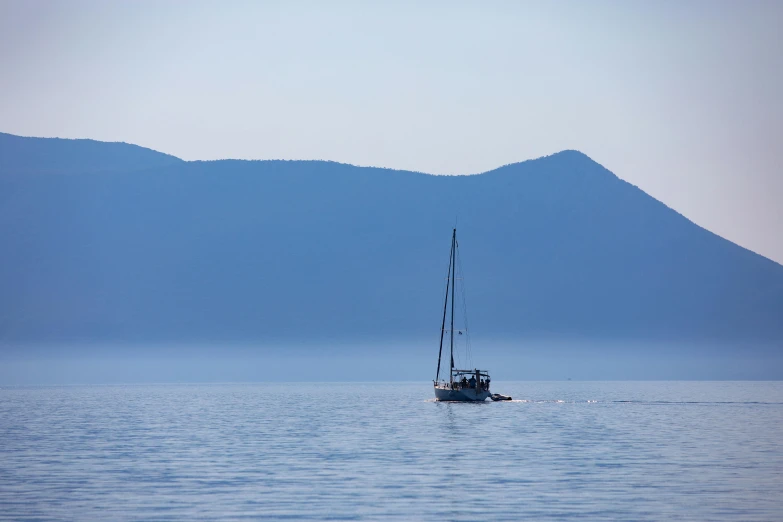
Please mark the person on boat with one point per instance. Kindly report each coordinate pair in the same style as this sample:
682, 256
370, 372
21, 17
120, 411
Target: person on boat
472, 382
464, 382
481, 385
487, 382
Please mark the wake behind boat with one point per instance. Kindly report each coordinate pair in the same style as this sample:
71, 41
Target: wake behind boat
462, 385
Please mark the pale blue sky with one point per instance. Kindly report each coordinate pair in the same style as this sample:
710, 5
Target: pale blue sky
681, 98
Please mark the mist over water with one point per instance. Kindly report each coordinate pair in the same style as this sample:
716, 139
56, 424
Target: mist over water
560, 451
401, 360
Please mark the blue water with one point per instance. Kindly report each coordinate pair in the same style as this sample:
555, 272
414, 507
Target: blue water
569, 450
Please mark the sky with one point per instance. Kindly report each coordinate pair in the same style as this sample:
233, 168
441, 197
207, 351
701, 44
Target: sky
681, 98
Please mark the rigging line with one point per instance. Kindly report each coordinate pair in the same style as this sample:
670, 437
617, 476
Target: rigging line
468, 346
449, 275
454, 273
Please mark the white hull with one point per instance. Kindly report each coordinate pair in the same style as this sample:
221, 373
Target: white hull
463, 395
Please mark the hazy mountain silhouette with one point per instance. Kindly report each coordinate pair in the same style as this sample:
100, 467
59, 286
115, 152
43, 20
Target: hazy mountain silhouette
135, 245
20, 155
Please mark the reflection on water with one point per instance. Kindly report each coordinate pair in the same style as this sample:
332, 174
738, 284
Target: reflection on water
630, 451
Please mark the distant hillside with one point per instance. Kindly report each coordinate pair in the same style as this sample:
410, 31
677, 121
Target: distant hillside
135, 245
58, 156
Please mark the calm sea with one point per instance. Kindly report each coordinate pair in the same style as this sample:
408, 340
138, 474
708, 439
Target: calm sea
566, 450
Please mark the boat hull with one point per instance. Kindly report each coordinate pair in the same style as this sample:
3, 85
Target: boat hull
463, 395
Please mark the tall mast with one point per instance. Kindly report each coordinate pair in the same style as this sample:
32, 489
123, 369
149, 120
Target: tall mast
453, 278
445, 307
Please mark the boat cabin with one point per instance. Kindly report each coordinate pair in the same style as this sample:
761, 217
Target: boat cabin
467, 380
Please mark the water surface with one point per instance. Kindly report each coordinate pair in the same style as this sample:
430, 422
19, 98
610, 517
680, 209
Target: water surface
566, 450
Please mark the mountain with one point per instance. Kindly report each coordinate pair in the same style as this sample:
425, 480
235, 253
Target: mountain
138, 246
20, 155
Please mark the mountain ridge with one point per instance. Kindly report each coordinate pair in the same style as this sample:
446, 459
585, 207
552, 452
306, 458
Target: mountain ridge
497, 170
22, 154
244, 250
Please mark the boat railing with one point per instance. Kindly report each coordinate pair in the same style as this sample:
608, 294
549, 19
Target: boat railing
458, 385
470, 372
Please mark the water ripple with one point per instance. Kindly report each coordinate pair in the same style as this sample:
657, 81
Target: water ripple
597, 451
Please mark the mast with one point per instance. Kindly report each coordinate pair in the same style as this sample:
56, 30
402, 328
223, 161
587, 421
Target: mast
445, 307
453, 279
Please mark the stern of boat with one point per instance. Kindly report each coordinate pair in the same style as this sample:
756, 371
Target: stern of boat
446, 394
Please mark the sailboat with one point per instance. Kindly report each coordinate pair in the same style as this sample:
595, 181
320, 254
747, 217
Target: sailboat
462, 385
